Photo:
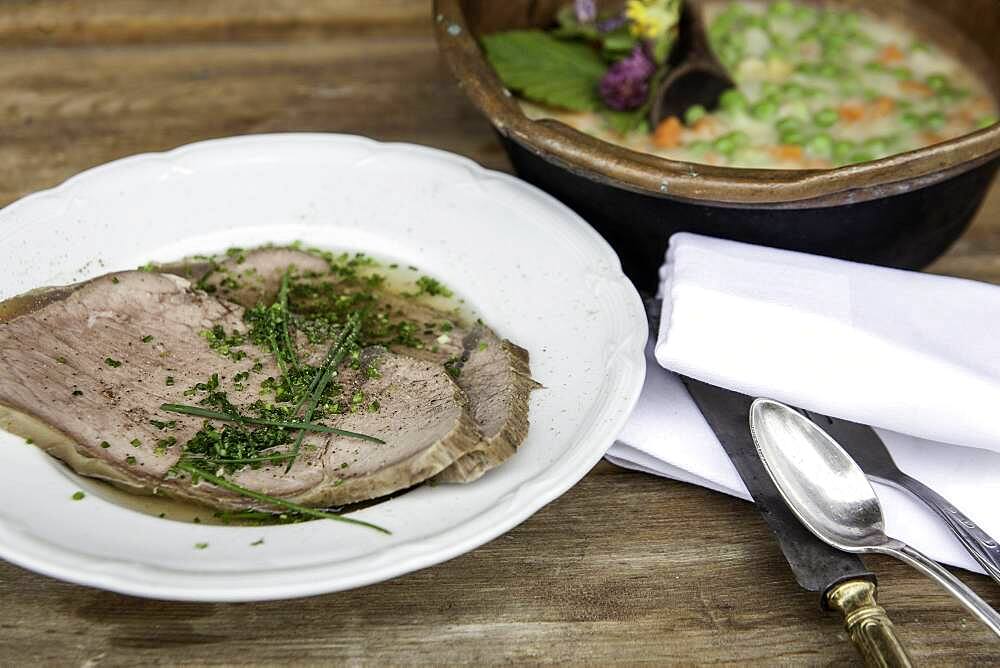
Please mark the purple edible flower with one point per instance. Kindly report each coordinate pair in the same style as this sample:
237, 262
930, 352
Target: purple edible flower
625, 85
585, 10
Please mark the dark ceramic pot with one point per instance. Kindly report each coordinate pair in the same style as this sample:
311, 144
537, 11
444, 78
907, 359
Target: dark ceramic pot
902, 211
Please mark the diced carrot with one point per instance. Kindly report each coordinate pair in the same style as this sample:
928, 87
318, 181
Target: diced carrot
668, 133
818, 163
890, 54
883, 106
917, 87
851, 112
982, 104
787, 152
704, 126
931, 138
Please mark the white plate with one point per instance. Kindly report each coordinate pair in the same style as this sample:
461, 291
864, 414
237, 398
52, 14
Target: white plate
532, 268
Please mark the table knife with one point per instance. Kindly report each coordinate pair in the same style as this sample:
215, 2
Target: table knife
841, 579
868, 450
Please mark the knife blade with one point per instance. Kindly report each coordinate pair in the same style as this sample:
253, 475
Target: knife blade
867, 449
816, 565
841, 579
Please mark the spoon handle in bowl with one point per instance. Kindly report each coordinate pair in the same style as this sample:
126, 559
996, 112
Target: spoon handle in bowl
951, 584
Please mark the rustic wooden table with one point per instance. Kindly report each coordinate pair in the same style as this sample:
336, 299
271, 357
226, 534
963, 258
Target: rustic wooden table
624, 567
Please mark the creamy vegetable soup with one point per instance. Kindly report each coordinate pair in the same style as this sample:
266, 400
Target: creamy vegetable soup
816, 88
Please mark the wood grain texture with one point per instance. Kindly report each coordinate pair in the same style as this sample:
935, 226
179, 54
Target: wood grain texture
623, 568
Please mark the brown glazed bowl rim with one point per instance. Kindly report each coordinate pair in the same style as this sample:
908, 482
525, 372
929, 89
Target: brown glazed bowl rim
652, 175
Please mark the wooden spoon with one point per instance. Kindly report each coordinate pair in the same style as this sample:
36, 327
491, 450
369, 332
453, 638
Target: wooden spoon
696, 76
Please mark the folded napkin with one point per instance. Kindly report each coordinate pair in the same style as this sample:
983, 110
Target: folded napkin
915, 355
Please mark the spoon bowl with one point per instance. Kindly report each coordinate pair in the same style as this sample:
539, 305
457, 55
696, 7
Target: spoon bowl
832, 497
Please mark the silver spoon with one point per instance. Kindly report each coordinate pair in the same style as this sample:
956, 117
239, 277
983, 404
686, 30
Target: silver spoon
831, 496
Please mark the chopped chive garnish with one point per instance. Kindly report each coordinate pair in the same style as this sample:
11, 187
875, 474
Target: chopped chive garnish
77, 496
200, 546
335, 355
196, 472
170, 380
147, 338
105, 445
229, 417
113, 363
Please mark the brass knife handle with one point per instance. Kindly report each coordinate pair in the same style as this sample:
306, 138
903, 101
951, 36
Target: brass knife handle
867, 623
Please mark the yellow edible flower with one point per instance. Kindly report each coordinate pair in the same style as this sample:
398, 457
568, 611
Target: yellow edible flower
651, 18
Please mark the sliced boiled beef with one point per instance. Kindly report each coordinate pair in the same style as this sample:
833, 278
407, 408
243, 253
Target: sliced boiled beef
493, 372
86, 368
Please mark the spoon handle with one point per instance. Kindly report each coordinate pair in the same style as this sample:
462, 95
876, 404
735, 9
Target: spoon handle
952, 585
979, 544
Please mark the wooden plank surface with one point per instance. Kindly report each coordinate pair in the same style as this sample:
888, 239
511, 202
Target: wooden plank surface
624, 567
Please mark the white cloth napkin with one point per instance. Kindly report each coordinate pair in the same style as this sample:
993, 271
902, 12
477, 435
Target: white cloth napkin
915, 355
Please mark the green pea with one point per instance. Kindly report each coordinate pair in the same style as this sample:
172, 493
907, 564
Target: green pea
793, 91
724, 145
733, 101
764, 110
850, 20
829, 70
935, 120
787, 124
740, 138
694, 114
986, 122
731, 142
821, 145
937, 82
807, 36
952, 95
861, 156
825, 117
911, 120
699, 147
781, 8
833, 45
842, 150
778, 53
876, 146
804, 14
795, 137
730, 55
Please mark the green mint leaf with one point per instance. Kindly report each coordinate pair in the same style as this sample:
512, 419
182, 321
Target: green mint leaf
544, 69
